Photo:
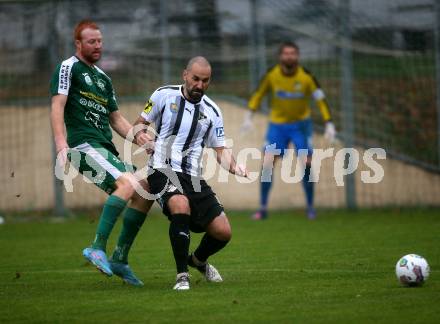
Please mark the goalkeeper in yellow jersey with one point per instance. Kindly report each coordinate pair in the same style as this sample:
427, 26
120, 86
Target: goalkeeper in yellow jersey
291, 87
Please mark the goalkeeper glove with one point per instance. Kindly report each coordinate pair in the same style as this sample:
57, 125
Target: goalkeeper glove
330, 132
247, 123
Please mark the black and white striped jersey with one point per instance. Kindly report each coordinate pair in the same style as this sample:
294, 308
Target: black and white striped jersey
183, 129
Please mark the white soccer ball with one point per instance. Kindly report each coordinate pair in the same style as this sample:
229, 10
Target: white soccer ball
412, 270
2, 220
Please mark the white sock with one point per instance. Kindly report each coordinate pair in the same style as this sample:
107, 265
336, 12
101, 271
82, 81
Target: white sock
182, 274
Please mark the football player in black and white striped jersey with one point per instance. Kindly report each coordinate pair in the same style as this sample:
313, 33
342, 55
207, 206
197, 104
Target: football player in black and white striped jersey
186, 121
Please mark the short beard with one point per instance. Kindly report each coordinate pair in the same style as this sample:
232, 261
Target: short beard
195, 96
91, 59
290, 66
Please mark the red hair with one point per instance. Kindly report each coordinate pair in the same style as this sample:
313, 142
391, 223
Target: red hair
83, 24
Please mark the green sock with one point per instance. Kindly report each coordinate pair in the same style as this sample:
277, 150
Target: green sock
133, 220
112, 208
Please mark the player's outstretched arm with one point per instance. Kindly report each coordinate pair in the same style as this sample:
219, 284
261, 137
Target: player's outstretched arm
254, 104
120, 124
57, 120
227, 161
320, 99
141, 135
330, 130
126, 130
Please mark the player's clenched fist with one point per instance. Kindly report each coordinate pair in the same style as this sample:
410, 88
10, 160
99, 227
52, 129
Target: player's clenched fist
146, 141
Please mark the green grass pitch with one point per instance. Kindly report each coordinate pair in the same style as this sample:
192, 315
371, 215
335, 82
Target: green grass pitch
337, 269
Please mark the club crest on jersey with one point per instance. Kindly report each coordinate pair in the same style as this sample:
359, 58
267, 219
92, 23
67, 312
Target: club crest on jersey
174, 108
87, 79
101, 84
148, 106
220, 132
297, 86
202, 116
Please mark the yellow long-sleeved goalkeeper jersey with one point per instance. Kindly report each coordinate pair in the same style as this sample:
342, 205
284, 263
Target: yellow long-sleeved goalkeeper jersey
290, 95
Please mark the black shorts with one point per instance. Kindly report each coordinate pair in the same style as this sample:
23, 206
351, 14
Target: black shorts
202, 200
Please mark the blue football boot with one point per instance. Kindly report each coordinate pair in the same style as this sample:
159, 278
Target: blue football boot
124, 271
99, 259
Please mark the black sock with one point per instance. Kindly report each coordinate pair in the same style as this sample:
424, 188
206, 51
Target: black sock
307, 172
208, 246
308, 186
180, 238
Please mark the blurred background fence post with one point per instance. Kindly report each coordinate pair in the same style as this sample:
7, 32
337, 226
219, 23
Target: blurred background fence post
437, 69
347, 106
257, 54
54, 52
165, 42
254, 73
261, 41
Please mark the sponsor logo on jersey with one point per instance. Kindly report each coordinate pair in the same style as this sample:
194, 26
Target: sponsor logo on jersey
93, 105
148, 106
94, 97
297, 86
220, 131
96, 106
87, 79
289, 95
94, 118
174, 108
65, 74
